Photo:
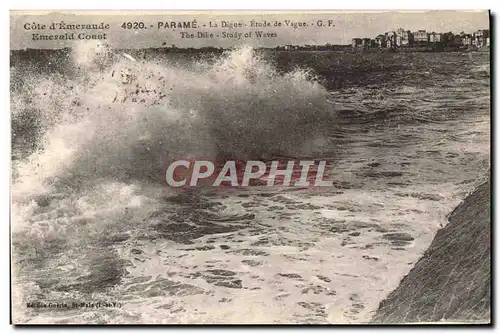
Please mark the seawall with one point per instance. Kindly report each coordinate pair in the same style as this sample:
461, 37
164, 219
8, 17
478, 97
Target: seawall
452, 281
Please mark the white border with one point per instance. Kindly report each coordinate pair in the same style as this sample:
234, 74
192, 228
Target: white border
178, 5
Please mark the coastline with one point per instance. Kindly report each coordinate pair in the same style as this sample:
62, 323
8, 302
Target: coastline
458, 260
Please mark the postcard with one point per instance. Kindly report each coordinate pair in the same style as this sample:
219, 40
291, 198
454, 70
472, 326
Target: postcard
250, 167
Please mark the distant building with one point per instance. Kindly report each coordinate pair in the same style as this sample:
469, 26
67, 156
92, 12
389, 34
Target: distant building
390, 38
481, 38
366, 43
466, 39
448, 38
356, 42
381, 41
362, 43
420, 36
435, 37
457, 40
403, 37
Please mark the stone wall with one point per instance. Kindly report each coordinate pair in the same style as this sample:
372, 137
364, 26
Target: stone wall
452, 281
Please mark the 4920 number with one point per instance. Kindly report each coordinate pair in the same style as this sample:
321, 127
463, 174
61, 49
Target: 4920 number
133, 25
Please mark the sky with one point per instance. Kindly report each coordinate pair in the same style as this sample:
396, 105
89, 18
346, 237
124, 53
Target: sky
337, 27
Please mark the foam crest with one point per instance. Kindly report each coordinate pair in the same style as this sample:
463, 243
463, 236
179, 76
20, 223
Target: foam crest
126, 122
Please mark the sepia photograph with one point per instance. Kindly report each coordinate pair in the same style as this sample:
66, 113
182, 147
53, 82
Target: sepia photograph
250, 167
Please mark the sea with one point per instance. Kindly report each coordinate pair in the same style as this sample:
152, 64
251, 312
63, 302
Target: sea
98, 238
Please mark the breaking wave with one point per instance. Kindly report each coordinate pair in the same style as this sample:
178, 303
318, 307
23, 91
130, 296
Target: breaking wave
94, 142
122, 118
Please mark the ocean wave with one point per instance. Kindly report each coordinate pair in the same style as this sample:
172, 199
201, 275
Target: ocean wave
104, 137
125, 120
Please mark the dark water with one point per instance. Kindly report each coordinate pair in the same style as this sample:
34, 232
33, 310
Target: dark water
407, 136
